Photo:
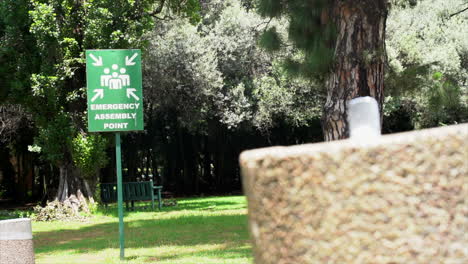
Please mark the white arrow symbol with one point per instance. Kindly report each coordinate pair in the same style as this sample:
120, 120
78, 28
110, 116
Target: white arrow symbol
99, 93
130, 92
129, 62
97, 62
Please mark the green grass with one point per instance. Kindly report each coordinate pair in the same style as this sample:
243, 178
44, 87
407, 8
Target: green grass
198, 230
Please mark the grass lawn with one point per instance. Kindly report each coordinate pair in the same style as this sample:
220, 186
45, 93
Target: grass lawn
198, 231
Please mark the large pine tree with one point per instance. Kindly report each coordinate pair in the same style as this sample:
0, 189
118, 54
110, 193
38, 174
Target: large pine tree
343, 42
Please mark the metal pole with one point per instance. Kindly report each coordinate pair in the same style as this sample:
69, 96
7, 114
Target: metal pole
120, 194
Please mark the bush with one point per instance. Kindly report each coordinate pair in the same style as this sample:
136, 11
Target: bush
5, 215
56, 211
398, 115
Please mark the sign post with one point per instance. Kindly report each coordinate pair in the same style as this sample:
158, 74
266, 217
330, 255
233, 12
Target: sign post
120, 194
115, 103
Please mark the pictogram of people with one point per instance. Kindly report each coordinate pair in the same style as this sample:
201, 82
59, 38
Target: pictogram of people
124, 77
105, 77
115, 80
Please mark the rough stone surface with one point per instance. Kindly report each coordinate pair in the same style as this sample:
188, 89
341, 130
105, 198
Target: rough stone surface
16, 251
401, 200
16, 245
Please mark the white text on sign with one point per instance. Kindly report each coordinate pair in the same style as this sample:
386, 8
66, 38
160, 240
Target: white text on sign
115, 116
115, 125
114, 106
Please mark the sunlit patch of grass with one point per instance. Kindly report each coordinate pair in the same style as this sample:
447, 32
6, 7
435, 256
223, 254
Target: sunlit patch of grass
197, 230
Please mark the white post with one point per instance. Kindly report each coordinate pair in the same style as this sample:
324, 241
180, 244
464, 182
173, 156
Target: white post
363, 119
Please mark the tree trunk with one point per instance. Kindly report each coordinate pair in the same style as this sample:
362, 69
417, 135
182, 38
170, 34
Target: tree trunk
73, 190
207, 177
195, 163
358, 69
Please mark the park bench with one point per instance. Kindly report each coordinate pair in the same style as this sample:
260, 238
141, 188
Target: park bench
132, 191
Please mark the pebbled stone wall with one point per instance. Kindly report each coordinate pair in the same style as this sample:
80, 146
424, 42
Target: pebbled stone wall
16, 245
402, 199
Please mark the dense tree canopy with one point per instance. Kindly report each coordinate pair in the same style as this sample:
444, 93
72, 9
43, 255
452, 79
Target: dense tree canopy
428, 57
213, 84
43, 43
211, 91
215, 71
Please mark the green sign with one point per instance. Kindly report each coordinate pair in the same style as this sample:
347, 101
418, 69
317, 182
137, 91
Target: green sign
115, 98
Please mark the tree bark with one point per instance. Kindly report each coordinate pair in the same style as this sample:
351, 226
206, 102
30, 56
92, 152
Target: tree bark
73, 189
360, 57
207, 161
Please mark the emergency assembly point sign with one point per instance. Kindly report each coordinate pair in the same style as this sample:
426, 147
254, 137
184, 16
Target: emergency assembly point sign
115, 98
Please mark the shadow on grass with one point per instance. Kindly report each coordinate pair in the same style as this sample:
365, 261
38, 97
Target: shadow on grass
229, 252
186, 231
228, 231
196, 204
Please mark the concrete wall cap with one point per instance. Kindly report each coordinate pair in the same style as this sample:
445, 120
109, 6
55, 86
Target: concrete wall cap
15, 229
337, 146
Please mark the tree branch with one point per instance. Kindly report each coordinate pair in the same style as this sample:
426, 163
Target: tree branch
266, 23
165, 18
158, 10
459, 12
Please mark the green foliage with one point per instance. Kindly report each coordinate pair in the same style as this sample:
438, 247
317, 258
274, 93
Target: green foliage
410, 79
307, 30
5, 215
89, 153
116, 24
43, 42
55, 211
428, 53
44, 89
280, 97
216, 71
63, 30
444, 92
442, 102
18, 58
270, 8
398, 115
44, 25
270, 40
180, 71
190, 9
54, 138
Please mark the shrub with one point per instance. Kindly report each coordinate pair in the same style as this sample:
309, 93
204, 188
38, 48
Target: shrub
56, 210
